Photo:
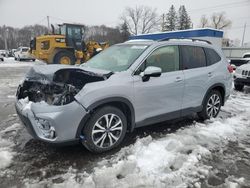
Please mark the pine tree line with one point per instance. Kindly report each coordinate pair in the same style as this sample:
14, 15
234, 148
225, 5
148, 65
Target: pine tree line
172, 20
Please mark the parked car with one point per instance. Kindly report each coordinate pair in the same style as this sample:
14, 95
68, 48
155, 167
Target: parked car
3, 53
128, 85
1, 57
246, 55
242, 76
22, 53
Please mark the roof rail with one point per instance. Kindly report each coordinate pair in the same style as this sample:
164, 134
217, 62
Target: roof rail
192, 39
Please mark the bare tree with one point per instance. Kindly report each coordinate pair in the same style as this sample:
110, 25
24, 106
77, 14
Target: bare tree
204, 21
140, 19
219, 21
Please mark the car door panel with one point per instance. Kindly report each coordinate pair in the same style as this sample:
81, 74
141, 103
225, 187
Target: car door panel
160, 95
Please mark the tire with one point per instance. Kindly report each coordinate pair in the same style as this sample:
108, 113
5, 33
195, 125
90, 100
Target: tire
15, 59
238, 87
111, 138
33, 60
67, 55
211, 105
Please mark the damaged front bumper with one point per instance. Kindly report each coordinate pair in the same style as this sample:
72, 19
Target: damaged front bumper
53, 124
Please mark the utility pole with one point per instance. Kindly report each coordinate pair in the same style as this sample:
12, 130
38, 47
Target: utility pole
6, 32
243, 37
48, 23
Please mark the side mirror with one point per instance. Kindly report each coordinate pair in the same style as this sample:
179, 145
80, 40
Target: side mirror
151, 71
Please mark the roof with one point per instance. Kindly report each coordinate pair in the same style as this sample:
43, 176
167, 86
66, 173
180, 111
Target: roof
204, 32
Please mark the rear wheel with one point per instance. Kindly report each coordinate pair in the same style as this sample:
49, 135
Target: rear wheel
211, 106
238, 87
105, 130
65, 58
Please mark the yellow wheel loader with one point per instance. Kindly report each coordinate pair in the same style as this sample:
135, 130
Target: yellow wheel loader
66, 46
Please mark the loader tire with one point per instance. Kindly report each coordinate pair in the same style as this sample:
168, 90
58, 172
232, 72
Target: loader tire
65, 58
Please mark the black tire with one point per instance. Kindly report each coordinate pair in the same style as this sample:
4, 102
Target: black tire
15, 59
98, 115
62, 54
33, 59
204, 114
238, 87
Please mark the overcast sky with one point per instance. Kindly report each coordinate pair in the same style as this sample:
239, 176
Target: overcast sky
18, 13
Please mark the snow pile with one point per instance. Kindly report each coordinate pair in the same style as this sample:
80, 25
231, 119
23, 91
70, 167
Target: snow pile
167, 162
5, 153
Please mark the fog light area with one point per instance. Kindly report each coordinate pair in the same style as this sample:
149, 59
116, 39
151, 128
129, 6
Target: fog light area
46, 129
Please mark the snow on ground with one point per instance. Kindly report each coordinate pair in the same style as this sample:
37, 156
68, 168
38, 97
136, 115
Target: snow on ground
6, 153
10, 62
170, 161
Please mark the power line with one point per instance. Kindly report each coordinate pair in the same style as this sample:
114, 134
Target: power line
40, 21
225, 5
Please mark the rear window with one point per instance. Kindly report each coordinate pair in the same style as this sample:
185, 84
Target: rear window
193, 57
212, 56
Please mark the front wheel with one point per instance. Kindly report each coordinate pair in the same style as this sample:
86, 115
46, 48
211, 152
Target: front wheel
105, 130
211, 105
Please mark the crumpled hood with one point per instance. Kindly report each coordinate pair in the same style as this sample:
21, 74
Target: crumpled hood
46, 72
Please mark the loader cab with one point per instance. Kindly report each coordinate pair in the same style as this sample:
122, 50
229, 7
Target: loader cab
73, 34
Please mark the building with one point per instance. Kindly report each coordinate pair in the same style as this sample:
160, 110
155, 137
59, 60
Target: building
213, 35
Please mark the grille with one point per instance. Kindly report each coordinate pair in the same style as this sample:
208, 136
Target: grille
246, 73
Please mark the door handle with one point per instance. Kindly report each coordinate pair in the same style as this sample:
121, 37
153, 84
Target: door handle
178, 79
210, 74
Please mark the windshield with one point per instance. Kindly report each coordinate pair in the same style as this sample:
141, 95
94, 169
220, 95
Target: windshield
116, 58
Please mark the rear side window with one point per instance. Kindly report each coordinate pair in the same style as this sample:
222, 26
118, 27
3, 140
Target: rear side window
212, 56
193, 57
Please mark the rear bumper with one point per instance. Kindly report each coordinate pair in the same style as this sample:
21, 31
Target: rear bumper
242, 81
65, 121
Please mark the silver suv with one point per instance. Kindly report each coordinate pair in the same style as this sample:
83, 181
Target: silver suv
128, 85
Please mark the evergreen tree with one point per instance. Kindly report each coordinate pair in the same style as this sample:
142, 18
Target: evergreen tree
171, 20
124, 31
184, 21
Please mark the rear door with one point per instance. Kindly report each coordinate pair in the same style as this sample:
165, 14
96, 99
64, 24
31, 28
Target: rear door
159, 97
197, 76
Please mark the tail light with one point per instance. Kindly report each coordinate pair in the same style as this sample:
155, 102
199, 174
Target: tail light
230, 68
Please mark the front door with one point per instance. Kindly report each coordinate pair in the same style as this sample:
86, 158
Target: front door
159, 98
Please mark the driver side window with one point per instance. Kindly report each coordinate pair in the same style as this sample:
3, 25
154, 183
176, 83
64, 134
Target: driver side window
166, 58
